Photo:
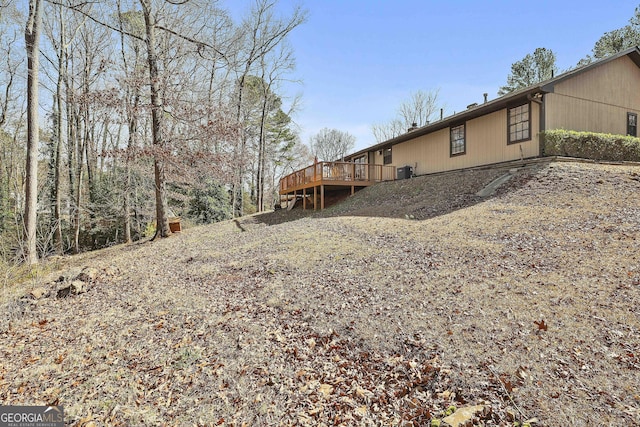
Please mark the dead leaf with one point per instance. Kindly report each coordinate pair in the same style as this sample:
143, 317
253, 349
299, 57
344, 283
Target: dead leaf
506, 382
325, 389
542, 326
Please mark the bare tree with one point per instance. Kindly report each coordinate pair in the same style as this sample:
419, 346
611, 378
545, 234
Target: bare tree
11, 26
162, 220
332, 144
386, 131
417, 111
32, 43
9, 65
12, 161
107, 128
273, 67
61, 45
87, 62
420, 108
261, 33
132, 98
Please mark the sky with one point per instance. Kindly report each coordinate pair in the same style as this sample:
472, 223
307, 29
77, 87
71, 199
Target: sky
358, 60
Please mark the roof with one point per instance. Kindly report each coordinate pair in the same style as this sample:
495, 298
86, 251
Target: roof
499, 103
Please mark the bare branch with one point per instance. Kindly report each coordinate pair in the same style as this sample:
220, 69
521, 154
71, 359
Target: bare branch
332, 144
200, 44
78, 8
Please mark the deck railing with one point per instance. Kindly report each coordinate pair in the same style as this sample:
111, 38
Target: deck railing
337, 172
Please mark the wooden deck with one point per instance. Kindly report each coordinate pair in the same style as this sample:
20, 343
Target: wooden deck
328, 176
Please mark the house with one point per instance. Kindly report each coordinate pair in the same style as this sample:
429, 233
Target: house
603, 96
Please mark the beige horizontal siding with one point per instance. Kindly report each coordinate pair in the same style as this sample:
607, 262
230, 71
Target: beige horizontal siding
486, 143
597, 100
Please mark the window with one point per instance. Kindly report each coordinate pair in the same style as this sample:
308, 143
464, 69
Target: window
458, 145
386, 159
632, 124
361, 159
360, 168
519, 123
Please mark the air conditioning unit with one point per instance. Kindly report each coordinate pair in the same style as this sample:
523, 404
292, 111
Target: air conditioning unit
405, 172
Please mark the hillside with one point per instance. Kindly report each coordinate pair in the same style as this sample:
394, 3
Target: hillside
408, 298
421, 197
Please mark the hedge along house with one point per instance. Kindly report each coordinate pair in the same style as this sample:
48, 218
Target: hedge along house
603, 96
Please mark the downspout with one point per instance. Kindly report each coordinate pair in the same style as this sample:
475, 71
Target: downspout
541, 120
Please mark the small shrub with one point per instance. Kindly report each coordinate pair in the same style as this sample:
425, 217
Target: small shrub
591, 145
209, 203
149, 230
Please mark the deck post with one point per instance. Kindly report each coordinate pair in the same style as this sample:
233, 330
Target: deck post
353, 190
315, 197
304, 199
322, 197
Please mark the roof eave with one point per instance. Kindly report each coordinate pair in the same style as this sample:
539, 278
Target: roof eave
461, 117
498, 103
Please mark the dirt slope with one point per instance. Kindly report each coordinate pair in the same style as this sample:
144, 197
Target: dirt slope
527, 303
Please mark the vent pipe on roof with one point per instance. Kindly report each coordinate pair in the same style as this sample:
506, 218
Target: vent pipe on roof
441, 113
486, 95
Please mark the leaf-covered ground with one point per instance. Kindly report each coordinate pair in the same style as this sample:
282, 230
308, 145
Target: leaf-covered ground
527, 303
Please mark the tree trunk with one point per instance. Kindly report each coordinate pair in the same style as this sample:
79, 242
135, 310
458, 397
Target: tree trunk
57, 196
238, 184
133, 128
72, 148
78, 200
87, 141
162, 221
127, 201
261, 154
32, 41
57, 200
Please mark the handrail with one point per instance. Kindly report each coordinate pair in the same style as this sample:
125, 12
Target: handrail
337, 171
